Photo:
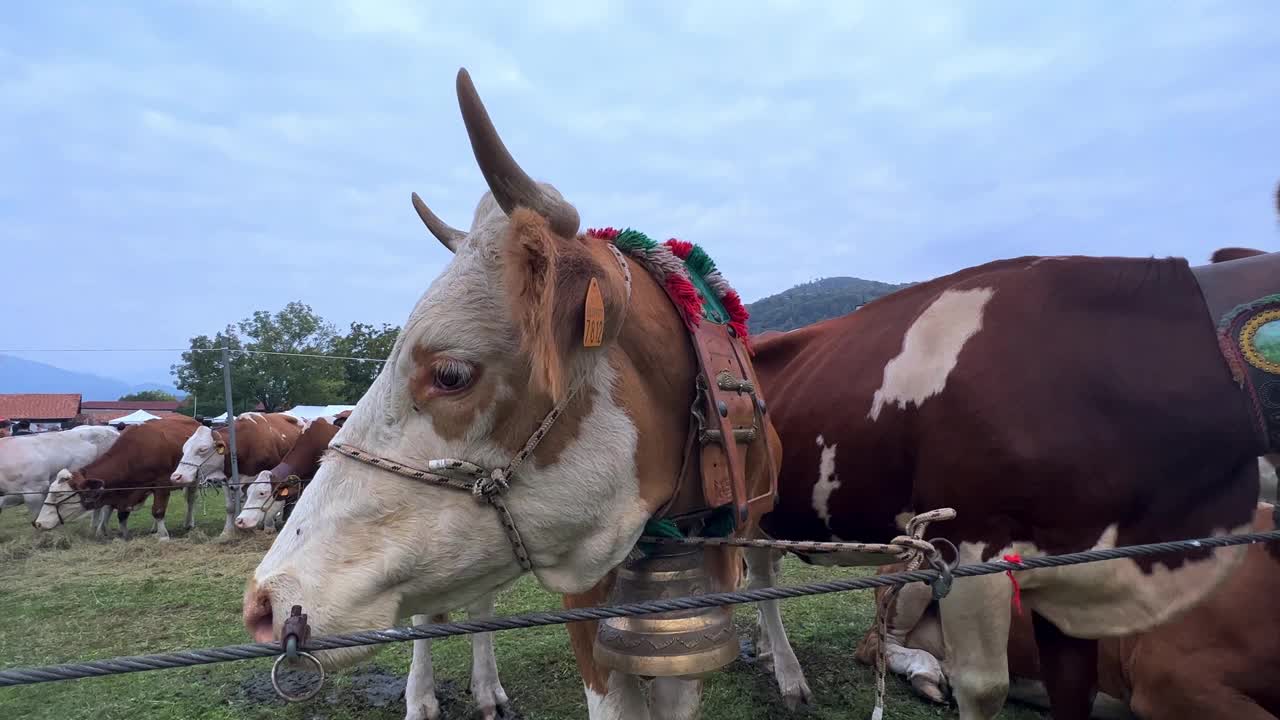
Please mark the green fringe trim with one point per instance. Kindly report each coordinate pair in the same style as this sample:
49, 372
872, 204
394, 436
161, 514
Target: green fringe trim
662, 528
633, 240
720, 524
700, 262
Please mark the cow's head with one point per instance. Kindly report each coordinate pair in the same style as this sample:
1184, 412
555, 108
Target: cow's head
202, 458
259, 501
491, 347
70, 495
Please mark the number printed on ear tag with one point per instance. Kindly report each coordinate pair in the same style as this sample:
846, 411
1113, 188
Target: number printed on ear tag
593, 325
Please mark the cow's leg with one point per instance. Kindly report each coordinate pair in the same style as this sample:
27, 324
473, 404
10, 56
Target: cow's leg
1069, 667
33, 504
420, 688
122, 517
190, 522
610, 695
673, 698
773, 649
624, 700
920, 667
102, 518
486, 688
159, 504
975, 626
229, 525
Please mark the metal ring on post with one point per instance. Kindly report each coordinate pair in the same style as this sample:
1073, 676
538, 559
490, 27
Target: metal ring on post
275, 681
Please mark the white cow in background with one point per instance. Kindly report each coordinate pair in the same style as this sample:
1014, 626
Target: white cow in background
28, 464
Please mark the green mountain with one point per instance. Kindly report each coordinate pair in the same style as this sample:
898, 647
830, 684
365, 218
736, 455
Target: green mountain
813, 301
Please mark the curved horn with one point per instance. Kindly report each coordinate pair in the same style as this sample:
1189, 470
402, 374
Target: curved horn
511, 186
449, 236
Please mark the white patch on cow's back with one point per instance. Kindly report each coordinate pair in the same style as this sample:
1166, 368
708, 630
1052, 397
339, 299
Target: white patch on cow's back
930, 349
827, 482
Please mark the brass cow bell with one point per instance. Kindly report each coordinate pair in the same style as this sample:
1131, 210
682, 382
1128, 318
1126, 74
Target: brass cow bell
678, 643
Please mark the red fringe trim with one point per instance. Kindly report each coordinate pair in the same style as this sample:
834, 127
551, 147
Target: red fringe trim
685, 298
681, 248
738, 316
604, 233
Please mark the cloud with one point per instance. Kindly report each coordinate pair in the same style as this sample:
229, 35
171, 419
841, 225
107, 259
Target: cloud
272, 147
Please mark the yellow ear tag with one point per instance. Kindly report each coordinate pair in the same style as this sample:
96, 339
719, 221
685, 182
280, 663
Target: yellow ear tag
221, 450
593, 325
284, 492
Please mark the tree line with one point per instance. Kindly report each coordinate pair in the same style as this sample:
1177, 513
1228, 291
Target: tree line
279, 382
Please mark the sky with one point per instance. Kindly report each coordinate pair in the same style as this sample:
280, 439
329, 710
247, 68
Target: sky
168, 168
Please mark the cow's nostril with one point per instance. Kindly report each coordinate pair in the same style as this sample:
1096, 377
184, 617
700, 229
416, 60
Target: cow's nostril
257, 615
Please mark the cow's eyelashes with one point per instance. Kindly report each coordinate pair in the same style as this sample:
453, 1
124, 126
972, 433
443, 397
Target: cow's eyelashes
451, 376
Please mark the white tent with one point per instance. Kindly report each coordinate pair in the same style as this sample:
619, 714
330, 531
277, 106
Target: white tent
218, 420
137, 417
311, 412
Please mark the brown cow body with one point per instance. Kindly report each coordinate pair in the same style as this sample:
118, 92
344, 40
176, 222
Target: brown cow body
262, 441
137, 465
1042, 399
1217, 661
301, 462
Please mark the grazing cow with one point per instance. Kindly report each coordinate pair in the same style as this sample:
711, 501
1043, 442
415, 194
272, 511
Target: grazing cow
533, 337
1217, 661
269, 490
137, 465
262, 439
29, 463
1052, 403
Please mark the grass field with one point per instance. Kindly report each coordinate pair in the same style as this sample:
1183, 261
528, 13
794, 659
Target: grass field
66, 597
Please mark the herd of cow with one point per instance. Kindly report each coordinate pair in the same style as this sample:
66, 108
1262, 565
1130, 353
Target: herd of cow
1057, 404
61, 476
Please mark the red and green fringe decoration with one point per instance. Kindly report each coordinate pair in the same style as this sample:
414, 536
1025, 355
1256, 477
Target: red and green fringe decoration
671, 264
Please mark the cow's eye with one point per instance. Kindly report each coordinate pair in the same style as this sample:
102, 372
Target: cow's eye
451, 376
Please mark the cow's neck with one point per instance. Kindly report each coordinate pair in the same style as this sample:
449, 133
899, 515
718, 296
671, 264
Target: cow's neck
656, 369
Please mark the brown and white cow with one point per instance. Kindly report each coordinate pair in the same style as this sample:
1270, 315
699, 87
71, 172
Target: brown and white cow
300, 462
262, 439
1217, 661
1051, 402
138, 464
491, 348
1008, 391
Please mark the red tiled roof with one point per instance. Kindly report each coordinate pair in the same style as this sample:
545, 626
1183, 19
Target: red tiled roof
130, 405
40, 406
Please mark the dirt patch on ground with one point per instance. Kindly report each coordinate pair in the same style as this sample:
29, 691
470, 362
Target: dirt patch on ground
369, 688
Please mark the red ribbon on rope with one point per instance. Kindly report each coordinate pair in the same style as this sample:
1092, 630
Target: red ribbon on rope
1017, 591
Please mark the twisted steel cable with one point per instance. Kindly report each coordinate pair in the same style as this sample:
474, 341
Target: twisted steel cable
187, 658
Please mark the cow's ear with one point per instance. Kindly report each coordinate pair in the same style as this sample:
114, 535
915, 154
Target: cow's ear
551, 282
